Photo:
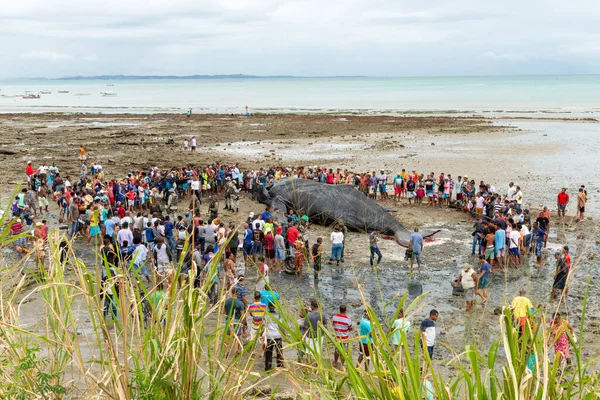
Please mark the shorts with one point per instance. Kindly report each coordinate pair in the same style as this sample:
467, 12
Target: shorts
315, 344
164, 269
131, 203
446, 196
270, 253
236, 327
582, 209
248, 249
397, 190
43, 202
382, 188
257, 248
416, 255
562, 207
538, 248
365, 349
469, 294
484, 283
514, 251
429, 193
193, 148
280, 254
254, 332
411, 194
500, 252
94, 230
559, 282
489, 253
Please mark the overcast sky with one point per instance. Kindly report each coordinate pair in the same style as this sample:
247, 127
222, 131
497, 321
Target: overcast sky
52, 38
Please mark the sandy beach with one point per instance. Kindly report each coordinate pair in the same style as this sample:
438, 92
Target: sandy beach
497, 151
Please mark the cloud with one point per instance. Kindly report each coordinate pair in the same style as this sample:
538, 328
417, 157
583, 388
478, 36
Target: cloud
504, 56
44, 55
298, 37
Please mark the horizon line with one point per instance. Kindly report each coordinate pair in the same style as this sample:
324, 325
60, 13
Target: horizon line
251, 76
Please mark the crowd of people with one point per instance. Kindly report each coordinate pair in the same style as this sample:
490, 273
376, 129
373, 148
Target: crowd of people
149, 223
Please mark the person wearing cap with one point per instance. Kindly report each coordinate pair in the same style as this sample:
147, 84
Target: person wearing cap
29, 170
398, 186
561, 274
382, 184
468, 280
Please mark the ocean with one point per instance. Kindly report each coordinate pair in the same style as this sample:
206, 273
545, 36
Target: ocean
505, 95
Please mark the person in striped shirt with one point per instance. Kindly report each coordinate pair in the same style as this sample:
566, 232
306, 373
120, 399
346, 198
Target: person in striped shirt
342, 325
257, 311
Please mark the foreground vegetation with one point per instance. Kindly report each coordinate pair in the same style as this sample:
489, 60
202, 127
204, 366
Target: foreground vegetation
181, 350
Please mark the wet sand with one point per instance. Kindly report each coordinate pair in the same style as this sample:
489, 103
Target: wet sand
484, 149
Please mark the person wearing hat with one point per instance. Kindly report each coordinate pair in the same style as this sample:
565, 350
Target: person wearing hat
468, 280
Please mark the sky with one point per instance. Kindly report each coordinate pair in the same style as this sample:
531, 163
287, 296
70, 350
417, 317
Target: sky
43, 38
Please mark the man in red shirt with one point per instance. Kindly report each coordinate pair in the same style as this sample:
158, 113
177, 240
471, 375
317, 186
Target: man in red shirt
562, 201
342, 325
29, 171
292, 236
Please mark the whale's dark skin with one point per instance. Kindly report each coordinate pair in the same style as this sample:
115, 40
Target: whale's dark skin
326, 204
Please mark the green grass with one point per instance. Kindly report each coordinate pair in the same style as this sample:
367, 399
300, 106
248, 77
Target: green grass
184, 352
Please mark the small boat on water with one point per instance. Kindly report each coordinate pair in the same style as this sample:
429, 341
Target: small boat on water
108, 94
45, 92
31, 96
110, 84
63, 91
81, 94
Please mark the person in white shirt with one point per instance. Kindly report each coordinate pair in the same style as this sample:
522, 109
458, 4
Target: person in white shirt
512, 191
193, 143
126, 220
125, 235
337, 244
235, 173
515, 245
139, 257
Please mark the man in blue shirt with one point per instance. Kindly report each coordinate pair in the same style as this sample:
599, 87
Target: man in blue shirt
538, 235
500, 245
428, 332
169, 233
416, 245
266, 214
247, 243
109, 229
483, 279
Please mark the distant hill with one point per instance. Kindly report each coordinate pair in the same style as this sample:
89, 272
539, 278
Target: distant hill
142, 77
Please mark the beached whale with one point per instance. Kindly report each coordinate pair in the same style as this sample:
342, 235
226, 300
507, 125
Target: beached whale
326, 204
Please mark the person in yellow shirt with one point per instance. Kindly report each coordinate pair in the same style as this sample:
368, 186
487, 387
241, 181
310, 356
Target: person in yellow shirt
521, 308
404, 176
